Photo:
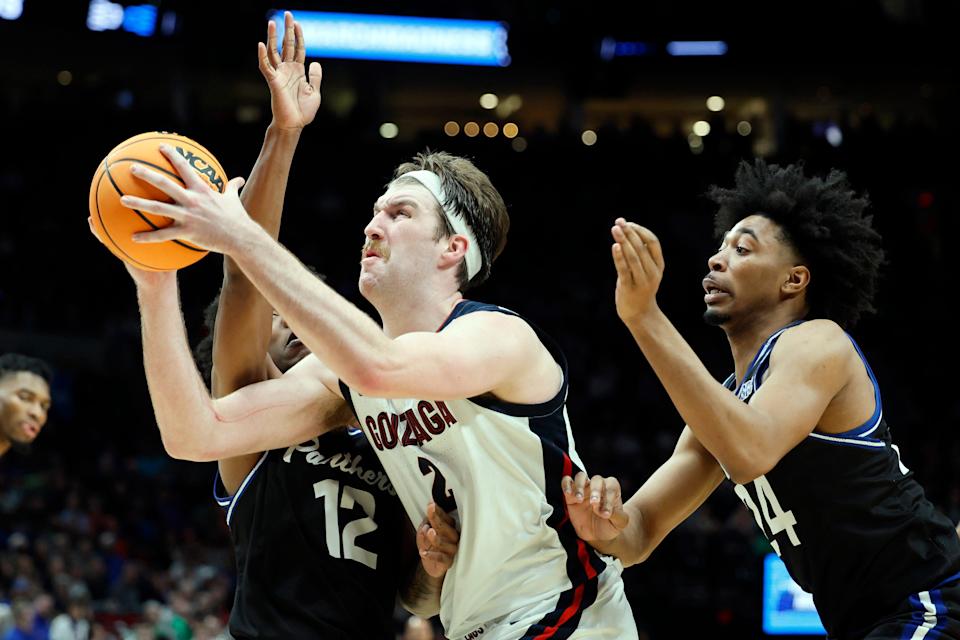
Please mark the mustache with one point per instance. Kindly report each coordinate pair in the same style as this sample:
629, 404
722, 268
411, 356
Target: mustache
377, 247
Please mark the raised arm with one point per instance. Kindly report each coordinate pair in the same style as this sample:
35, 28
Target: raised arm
193, 426
244, 317
747, 439
633, 530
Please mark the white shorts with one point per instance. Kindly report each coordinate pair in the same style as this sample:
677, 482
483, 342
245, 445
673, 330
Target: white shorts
608, 616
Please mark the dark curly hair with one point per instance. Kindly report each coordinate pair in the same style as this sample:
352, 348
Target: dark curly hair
14, 363
823, 220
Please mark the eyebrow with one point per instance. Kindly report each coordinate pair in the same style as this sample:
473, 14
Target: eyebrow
746, 230
397, 202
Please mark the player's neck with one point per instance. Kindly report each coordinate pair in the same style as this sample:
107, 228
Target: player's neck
747, 335
412, 312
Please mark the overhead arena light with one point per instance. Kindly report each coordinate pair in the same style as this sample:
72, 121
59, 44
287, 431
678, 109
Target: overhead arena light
11, 9
610, 48
103, 15
401, 38
697, 48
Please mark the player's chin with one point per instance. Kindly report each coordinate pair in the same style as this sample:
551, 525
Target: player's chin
367, 282
715, 317
24, 439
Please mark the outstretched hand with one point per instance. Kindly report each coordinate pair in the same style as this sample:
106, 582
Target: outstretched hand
437, 540
294, 95
595, 507
639, 261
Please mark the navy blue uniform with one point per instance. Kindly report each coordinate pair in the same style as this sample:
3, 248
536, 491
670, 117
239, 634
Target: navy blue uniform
317, 531
854, 528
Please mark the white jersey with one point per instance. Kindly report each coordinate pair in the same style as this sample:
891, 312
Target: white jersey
520, 571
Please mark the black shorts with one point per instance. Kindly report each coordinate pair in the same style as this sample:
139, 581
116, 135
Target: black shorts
928, 615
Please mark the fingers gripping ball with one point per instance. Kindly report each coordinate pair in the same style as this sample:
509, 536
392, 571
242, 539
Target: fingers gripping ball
116, 224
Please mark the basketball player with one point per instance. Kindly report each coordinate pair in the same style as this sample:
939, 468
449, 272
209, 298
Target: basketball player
321, 541
799, 426
290, 522
24, 400
464, 402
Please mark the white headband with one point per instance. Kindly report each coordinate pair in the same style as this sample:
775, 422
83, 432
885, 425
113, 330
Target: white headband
431, 181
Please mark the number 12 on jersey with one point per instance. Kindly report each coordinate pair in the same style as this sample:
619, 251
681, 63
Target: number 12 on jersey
329, 490
777, 521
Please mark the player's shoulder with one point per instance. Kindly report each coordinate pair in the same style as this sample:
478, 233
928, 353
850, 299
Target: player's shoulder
816, 341
488, 316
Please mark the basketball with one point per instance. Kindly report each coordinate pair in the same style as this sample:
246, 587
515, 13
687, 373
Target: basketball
116, 224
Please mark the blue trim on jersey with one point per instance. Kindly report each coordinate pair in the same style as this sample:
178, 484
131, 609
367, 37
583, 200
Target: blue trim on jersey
856, 437
955, 577
919, 616
230, 503
916, 617
731, 381
217, 485
937, 598
860, 443
873, 422
764, 351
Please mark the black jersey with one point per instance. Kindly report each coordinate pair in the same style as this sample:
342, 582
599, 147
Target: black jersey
317, 530
848, 518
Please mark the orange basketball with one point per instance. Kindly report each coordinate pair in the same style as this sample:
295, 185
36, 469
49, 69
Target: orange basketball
116, 224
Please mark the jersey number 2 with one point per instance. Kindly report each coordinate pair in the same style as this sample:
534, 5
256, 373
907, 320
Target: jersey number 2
777, 521
441, 495
329, 490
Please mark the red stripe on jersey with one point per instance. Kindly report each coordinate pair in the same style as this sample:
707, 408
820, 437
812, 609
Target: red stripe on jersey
568, 613
567, 471
584, 557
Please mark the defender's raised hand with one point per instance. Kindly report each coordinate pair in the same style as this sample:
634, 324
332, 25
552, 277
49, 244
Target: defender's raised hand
595, 507
437, 540
294, 95
639, 262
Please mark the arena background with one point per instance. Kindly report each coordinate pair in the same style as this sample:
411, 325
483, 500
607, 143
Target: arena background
869, 88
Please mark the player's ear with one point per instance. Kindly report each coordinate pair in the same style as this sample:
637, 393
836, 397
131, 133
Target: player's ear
455, 251
797, 280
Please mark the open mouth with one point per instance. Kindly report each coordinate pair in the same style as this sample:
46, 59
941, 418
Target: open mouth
30, 429
713, 291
